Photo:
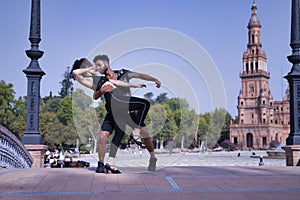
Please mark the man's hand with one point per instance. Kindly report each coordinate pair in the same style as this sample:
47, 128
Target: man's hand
107, 87
140, 86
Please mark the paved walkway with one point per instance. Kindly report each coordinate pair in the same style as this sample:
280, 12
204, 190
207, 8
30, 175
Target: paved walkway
183, 178
128, 161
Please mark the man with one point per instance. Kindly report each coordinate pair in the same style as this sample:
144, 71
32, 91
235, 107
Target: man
118, 116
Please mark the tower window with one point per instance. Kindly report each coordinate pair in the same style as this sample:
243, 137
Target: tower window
242, 103
252, 38
251, 89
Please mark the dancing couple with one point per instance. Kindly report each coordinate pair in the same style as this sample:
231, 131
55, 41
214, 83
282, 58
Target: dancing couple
121, 107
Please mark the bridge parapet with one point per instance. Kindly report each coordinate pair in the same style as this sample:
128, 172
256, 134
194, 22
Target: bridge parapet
13, 154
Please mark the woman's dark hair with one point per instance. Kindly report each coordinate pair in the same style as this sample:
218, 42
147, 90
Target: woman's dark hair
81, 63
101, 57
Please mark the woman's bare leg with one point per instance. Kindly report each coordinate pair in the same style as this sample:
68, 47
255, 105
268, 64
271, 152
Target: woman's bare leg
149, 146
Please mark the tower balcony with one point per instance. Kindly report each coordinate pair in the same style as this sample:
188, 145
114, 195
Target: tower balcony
255, 74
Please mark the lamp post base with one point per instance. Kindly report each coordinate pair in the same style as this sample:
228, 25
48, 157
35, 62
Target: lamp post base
292, 155
37, 152
31, 138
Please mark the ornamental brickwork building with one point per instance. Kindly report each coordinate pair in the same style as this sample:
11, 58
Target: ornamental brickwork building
260, 118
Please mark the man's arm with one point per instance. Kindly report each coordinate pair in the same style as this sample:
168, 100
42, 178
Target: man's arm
105, 88
146, 77
109, 86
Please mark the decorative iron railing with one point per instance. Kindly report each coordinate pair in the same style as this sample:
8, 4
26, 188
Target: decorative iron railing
13, 154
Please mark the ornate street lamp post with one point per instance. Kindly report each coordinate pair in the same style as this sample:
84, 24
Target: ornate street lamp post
292, 148
34, 74
293, 76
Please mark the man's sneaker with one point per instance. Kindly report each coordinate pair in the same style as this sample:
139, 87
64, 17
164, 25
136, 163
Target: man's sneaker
100, 168
152, 164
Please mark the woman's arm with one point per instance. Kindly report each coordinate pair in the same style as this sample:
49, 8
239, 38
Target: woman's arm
86, 81
124, 84
77, 72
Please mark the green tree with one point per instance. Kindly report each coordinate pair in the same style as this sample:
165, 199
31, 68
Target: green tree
86, 118
18, 124
51, 104
7, 100
101, 110
149, 96
80, 99
54, 132
204, 122
215, 127
225, 134
66, 84
185, 121
161, 98
187, 129
65, 113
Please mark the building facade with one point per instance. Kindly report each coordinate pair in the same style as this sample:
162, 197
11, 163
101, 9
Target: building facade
260, 118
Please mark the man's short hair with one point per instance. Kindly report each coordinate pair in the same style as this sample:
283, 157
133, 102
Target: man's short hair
101, 57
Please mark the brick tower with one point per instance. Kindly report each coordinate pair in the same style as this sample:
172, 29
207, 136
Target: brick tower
260, 118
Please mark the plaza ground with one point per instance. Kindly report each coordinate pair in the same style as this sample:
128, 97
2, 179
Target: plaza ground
221, 175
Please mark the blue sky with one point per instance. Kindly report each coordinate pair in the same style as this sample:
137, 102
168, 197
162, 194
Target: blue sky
71, 29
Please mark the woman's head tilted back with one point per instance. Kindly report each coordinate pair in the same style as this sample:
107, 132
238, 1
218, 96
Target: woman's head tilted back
81, 63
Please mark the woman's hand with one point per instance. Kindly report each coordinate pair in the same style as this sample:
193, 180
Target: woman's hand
93, 69
158, 83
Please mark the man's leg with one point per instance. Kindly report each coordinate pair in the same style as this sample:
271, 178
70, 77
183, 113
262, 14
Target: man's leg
149, 146
106, 129
102, 145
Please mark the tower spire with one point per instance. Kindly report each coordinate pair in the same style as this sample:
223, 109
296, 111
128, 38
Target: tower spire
255, 60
